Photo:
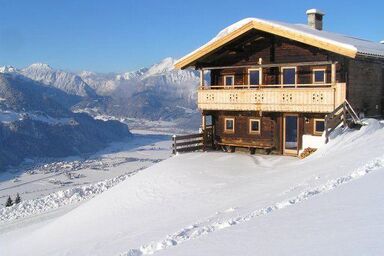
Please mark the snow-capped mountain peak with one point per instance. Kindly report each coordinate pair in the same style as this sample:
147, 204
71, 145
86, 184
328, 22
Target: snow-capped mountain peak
86, 73
39, 66
132, 74
7, 69
163, 66
66, 81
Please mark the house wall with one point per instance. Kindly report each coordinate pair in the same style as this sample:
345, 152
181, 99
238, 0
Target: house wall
277, 50
309, 122
271, 129
365, 88
268, 137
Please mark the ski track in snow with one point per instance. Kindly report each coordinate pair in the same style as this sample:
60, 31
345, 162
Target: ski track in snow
203, 228
60, 198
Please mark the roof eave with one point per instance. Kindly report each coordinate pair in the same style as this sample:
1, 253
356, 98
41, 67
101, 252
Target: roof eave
189, 59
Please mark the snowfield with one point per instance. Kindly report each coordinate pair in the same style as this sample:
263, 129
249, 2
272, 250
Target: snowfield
217, 203
56, 184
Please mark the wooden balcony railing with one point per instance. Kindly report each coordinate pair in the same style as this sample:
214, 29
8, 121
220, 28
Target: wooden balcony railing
314, 98
243, 86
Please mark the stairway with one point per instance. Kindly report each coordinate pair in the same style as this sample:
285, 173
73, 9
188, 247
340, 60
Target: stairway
342, 114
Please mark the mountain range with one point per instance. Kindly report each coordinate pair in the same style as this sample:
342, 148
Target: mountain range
36, 121
159, 92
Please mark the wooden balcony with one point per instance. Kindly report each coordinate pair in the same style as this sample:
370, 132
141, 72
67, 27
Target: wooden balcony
312, 98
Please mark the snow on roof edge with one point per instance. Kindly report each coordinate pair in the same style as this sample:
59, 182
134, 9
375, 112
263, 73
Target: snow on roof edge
218, 36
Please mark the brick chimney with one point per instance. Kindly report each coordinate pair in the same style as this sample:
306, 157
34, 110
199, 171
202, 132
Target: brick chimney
315, 19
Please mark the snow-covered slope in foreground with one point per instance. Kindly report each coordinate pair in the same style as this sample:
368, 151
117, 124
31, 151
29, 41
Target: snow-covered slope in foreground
230, 204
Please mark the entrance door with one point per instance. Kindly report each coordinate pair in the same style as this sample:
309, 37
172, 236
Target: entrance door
290, 133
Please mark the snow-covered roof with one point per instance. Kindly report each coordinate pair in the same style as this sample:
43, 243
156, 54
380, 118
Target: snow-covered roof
334, 42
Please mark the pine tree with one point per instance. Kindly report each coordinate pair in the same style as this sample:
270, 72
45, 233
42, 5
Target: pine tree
9, 202
17, 199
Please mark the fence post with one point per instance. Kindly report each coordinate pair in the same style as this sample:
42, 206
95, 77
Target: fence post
174, 149
326, 129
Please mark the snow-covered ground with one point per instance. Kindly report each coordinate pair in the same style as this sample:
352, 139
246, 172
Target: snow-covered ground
228, 204
58, 185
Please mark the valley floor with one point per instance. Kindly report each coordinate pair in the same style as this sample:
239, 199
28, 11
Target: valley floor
216, 203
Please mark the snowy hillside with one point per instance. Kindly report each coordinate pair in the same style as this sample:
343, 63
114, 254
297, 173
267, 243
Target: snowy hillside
230, 204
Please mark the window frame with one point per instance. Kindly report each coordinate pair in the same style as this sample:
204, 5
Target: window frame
250, 126
282, 74
225, 80
225, 125
260, 76
314, 126
313, 75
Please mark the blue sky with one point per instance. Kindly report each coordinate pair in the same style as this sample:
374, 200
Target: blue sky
115, 36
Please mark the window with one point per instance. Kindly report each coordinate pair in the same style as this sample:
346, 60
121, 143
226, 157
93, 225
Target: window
254, 126
288, 75
229, 125
208, 120
319, 76
319, 126
229, 80
254, 76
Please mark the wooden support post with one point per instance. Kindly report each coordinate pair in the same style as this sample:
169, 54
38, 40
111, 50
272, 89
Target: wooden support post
326, 128
174, 149
204, 128
202, 78
203, 122
333, 73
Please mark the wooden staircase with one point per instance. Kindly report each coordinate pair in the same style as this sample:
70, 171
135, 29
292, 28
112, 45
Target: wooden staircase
342, 114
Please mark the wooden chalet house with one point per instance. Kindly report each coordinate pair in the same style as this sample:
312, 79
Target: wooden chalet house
278, 86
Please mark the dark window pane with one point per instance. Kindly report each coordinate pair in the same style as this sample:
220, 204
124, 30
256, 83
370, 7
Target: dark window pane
229, 80
289, 76
319, 76
208, 120
229, 124
254, 78
255, 126
319, 126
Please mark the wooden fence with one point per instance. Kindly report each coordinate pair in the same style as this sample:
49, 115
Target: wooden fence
187, 143
193, 142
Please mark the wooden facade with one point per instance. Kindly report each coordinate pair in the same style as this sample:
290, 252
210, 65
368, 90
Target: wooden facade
297, 82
